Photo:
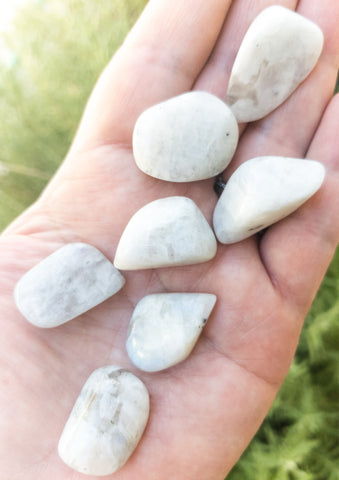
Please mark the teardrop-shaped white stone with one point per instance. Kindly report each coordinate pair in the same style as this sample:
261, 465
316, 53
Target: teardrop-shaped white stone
106, 423
72, 280
165, 327
189, 137
277, 53
262, 191
166, 232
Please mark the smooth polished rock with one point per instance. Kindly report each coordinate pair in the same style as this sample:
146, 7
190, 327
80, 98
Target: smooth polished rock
262, 191
106, 423
189, 137
167, 232
278, 52
72, 280
165, 327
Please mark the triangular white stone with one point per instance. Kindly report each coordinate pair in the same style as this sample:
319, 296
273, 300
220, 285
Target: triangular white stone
262, 191
166, 232
277, 53
165, 327
189, 137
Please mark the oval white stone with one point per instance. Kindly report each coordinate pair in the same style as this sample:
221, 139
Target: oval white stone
106, 423
72, 280
189, 137
277, 53
166, 232
262, 191
165, 327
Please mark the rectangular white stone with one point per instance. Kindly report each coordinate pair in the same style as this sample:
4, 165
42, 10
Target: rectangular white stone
71, 281
106, 423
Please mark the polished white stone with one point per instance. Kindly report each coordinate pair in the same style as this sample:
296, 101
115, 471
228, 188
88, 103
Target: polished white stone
106, 423
277, 53
166, 232
165, 327
262, 191
72, 280
189, 137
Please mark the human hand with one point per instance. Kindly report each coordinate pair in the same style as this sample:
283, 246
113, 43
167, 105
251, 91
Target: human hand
205, 410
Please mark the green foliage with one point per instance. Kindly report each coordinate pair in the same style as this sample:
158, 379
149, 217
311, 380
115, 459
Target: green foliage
58, 50
299, 439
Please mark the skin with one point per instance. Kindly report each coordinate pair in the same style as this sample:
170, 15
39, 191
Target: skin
204, 411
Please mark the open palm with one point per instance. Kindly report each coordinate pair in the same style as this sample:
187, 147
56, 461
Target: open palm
204, 411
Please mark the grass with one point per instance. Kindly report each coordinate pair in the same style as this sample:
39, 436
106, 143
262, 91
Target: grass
54, 62
52, 66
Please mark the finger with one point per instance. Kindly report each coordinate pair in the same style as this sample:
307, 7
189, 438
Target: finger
160, 58
298, 250
289, 129
215, 76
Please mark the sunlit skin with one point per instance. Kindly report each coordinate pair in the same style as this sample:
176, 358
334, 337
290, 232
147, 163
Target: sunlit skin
204, 411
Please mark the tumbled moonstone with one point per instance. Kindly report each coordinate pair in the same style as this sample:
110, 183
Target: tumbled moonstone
262, 191
165, 327
166, 232
72, 280
189, 137
106, 423
277, 53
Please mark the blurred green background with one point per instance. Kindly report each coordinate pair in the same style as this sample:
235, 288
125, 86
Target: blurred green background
50, 60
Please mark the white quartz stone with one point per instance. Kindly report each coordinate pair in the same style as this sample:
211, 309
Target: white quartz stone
262, 191
165, 327
106, 423
278, 51
166, 232
72, 280
189, 137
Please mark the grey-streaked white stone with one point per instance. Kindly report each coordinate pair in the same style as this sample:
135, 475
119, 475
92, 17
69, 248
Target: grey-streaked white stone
165, 327
166, 232
278, 52
262, 191
189, 137
106, 423
72, 280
